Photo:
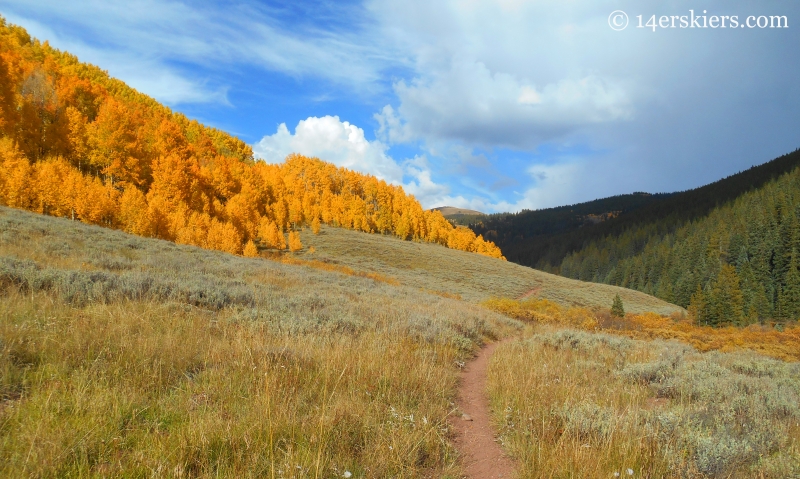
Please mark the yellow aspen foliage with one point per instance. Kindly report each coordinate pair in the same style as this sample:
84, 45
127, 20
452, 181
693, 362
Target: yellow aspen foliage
224, 237
16, 177
250, 250
76, 143
270, 235
294, 242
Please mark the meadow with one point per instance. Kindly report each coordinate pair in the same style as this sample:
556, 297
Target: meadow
471, 277
124, 356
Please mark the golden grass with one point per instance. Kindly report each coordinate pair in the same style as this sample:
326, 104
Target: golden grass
123, 356
777, 341
436, 268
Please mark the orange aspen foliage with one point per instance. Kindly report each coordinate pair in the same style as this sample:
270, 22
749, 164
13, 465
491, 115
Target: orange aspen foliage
250, 250
270, 236
294, 242
76, 143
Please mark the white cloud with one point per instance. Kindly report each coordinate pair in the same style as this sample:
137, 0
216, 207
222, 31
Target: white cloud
332, 140
470, 104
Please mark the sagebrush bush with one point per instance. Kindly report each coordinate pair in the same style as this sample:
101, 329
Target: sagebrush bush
123, 356
589, 404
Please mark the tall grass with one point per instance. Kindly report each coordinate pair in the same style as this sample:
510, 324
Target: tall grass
122, 356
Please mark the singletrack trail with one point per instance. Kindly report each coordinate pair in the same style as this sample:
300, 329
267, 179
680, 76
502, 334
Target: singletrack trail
482, 456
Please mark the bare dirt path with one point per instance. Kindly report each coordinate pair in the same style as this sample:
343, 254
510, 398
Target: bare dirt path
482, 457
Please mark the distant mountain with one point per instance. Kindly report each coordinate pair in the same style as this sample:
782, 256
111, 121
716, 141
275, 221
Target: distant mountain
729, 249
453, 211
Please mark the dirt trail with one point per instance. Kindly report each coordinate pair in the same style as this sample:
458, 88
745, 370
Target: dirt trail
482, 457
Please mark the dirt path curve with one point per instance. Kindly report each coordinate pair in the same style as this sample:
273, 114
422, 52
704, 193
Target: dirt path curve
482, 457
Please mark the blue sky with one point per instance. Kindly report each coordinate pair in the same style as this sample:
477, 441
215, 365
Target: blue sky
496, 105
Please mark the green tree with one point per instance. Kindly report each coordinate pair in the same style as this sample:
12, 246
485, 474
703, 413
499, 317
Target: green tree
789, 299
726, 299
617, 309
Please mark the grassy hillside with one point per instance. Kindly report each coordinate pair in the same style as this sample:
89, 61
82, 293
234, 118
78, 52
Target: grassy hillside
125, 355
600, 406
128, 356
472, 277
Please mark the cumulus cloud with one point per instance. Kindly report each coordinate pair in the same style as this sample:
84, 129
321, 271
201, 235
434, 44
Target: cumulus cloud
332, 140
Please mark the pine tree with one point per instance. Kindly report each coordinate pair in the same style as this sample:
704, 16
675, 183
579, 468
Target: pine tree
698, 307
726, 298
790, 292
617, 309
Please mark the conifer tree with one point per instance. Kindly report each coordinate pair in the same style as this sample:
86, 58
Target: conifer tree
790, 292
726, 299
617, 309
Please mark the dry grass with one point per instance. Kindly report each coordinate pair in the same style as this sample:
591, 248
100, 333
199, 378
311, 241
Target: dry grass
435, 268
577, 404
780, 341
123, 356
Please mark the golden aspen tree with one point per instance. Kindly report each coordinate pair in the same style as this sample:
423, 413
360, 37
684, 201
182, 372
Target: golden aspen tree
133, 212
250, 250
294, 242
270, 235
17, 175
315, 226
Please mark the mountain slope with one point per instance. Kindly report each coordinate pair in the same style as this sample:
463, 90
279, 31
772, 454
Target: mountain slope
473, 277
739, 264
537, 237
127, 356
76, 143
542, 239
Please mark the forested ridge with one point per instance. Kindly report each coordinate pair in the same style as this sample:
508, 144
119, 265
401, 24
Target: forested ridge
540, 237
75, 142
738, 265
728, 250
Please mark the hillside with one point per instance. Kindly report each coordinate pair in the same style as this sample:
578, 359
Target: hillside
79, 144
473, 278
737, 265
133, 355
536, 238
542, 239
448, 211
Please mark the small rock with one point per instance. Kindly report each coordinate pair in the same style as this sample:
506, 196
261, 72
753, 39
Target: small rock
466, 417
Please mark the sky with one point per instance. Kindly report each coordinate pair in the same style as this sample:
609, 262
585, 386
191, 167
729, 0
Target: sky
495, 105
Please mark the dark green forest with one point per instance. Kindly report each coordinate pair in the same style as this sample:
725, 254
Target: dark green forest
540, 238
728, 250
